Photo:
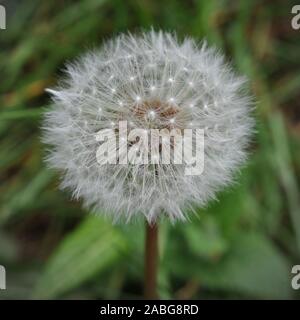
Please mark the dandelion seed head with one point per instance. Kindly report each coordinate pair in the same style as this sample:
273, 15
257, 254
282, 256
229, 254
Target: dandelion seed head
132, 78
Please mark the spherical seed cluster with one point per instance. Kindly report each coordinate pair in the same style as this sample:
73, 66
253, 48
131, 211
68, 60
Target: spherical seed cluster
152, 81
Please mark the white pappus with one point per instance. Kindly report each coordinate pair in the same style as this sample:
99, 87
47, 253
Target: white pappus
150, 80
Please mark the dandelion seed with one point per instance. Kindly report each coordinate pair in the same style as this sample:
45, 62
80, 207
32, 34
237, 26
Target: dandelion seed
152, 113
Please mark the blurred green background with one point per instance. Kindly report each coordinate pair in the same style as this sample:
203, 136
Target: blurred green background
242, 246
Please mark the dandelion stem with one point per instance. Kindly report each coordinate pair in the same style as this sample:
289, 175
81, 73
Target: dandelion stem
151, 259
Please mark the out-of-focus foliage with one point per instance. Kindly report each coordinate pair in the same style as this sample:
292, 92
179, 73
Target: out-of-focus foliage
240, 247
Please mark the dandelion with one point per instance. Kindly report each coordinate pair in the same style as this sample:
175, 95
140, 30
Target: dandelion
150, 80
